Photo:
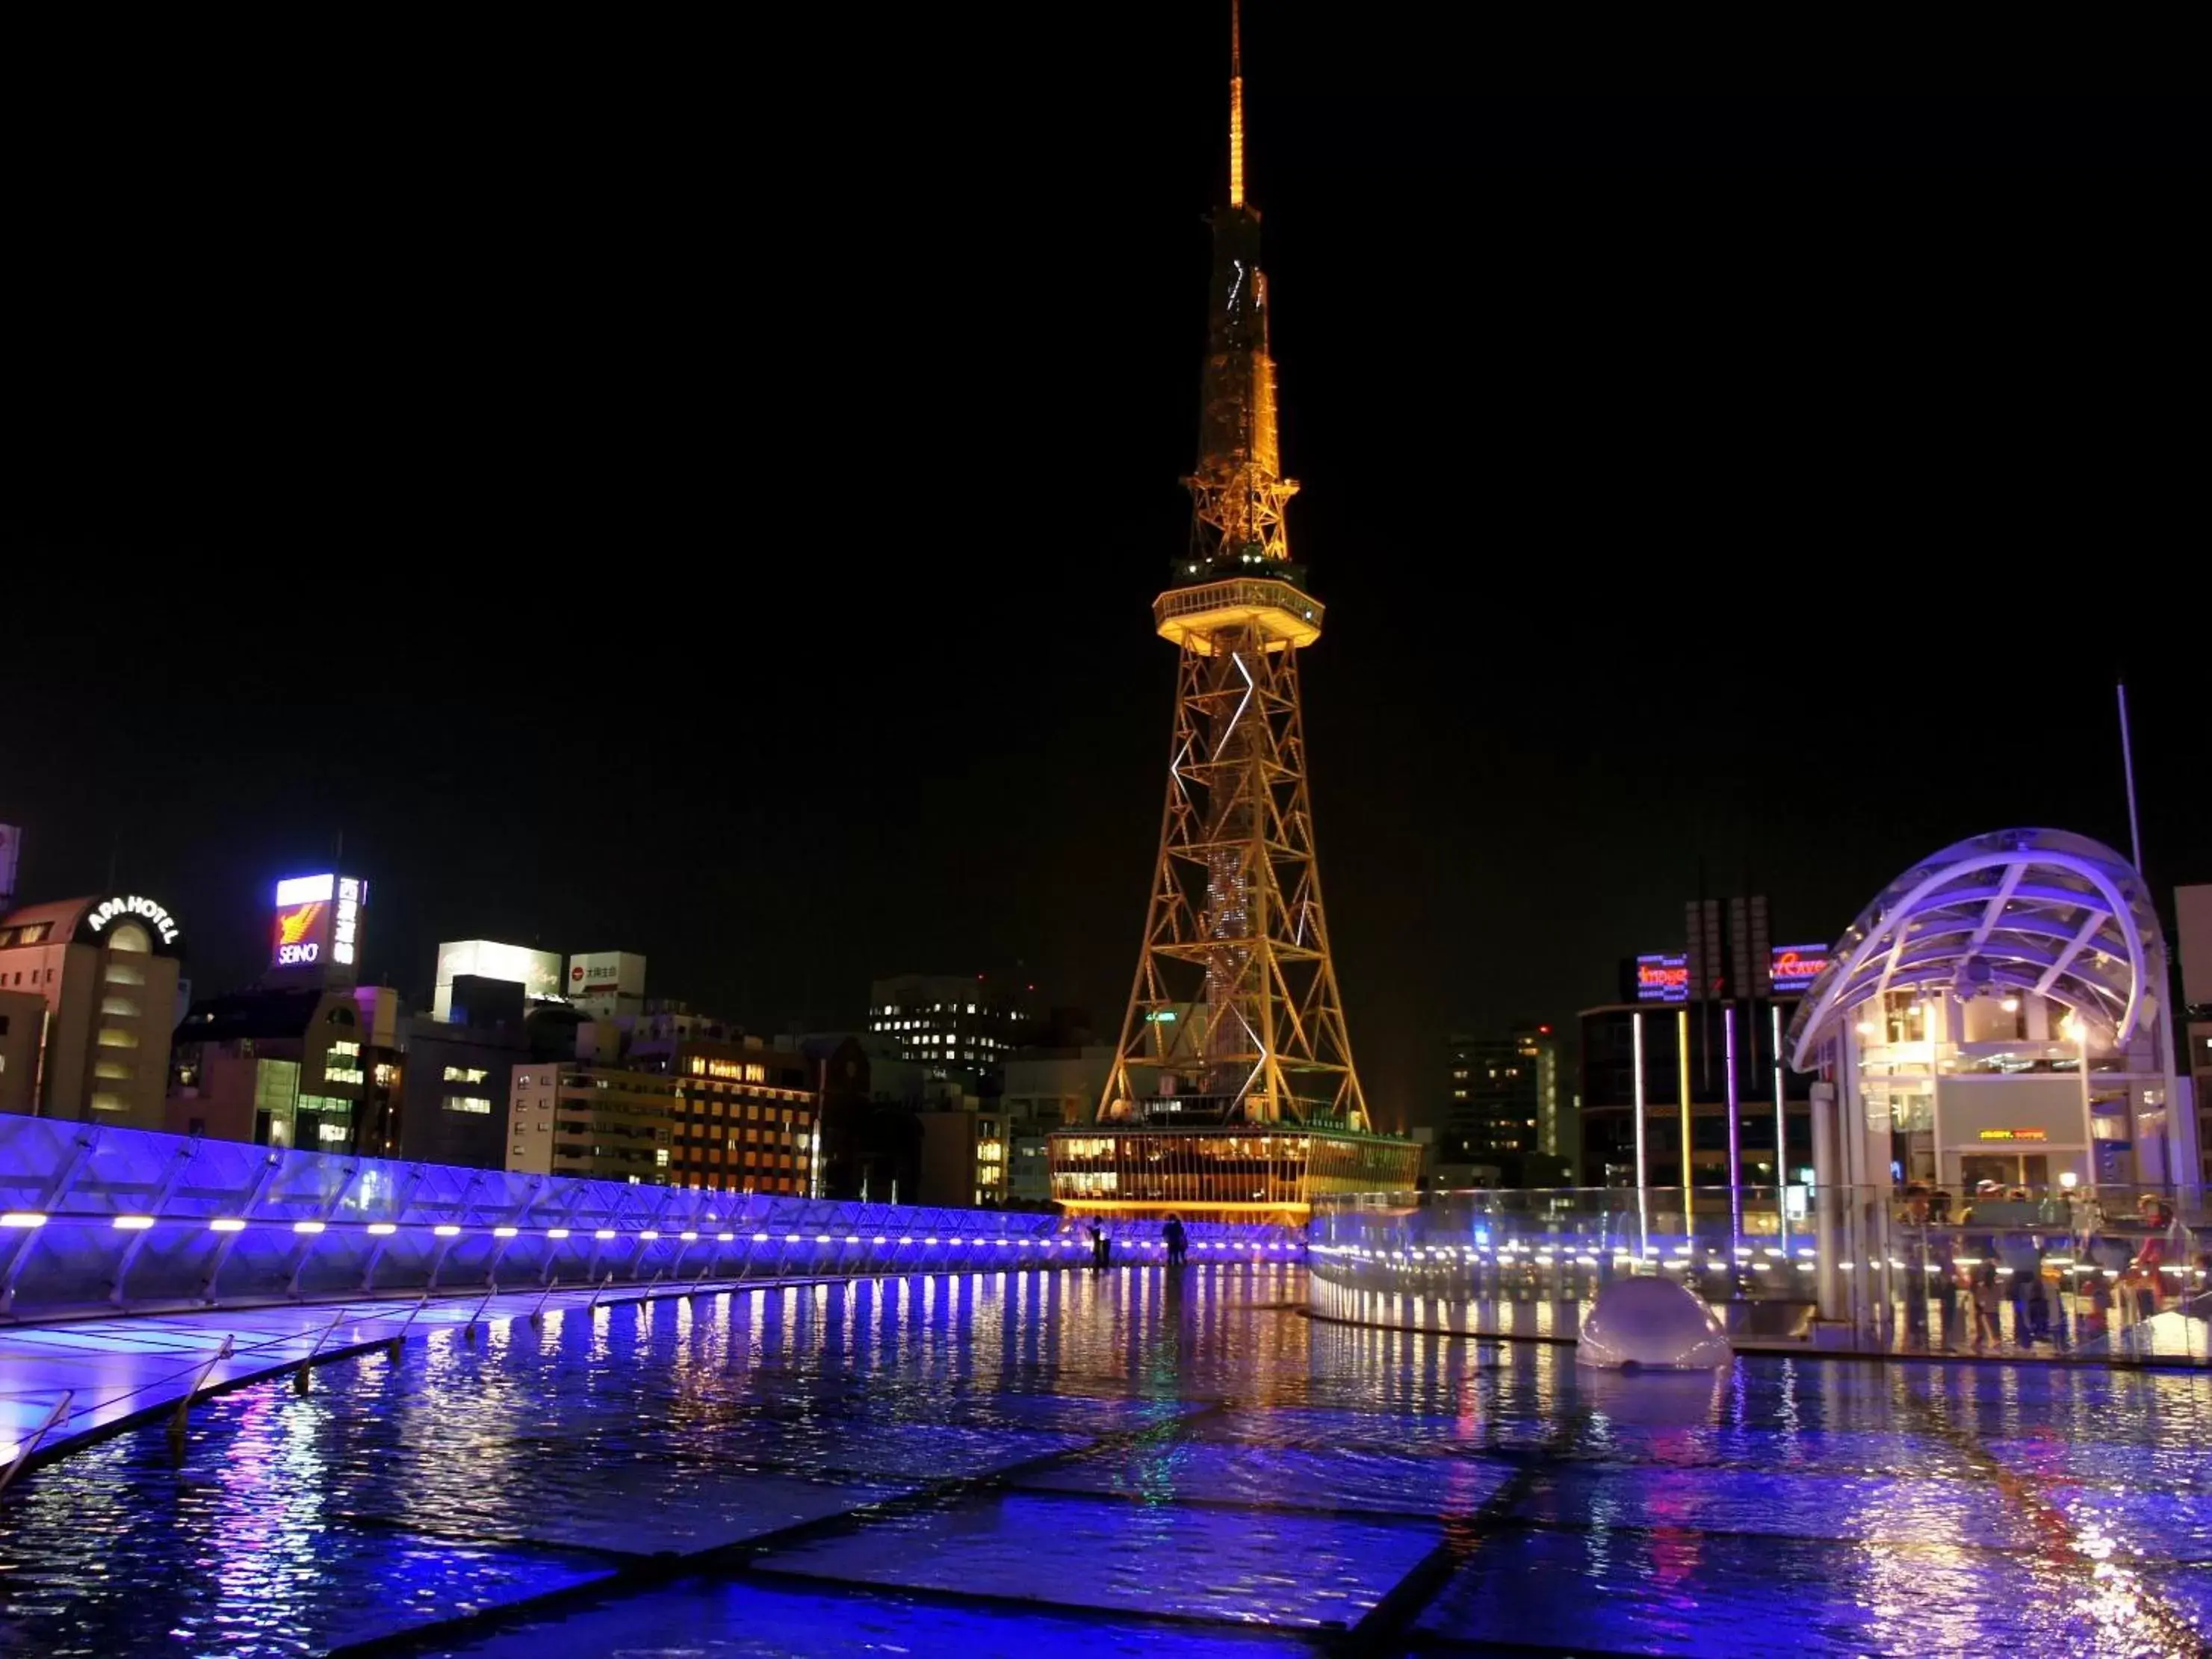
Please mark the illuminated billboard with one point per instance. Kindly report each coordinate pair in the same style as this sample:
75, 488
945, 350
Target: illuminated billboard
606, 974
1662, 979
1793, 967
538, 972
317, 922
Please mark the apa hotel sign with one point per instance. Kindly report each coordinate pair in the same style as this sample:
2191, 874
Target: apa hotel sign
138, 909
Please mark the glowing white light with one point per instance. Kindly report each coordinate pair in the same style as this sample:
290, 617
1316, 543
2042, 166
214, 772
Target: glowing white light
306, 1226
603, 1233
133, 1224
505, 1232
556, 1232
221, 1223
448, 1230
687, 1237
381, 1229
649, 1234
305, 889
726, 1238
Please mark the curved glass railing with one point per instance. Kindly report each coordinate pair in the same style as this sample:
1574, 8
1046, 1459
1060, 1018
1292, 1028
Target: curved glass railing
2115, 1274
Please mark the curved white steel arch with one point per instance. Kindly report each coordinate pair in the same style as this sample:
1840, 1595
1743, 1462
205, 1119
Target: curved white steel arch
2041, 911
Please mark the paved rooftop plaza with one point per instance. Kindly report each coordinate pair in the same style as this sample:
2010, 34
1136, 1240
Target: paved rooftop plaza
1126, 1464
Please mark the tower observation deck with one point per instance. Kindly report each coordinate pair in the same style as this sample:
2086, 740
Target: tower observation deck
1233, 1092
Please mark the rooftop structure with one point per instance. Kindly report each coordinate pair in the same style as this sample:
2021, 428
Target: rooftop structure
1999, 1013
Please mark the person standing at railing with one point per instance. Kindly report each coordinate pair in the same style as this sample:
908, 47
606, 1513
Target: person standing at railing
1913, 1252
1986, 1299
2141, 1284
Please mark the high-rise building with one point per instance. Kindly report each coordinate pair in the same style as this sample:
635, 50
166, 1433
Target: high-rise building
745, 1115
1251, 1108
1502, 1103
104, 972
954, 1024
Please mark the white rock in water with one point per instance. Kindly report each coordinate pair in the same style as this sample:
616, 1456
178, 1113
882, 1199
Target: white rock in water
1651, 1324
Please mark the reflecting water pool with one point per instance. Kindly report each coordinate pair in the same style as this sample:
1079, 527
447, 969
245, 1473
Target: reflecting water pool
1126, 1464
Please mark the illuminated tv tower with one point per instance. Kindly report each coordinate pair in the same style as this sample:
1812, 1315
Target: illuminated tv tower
1235, 1017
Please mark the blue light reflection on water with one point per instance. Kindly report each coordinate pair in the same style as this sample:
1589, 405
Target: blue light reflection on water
1201, 1451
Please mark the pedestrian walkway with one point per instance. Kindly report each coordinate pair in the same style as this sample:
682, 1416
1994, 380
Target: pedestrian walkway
99, 1373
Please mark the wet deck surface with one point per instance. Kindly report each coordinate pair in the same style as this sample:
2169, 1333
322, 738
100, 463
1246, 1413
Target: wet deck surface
1121, 1465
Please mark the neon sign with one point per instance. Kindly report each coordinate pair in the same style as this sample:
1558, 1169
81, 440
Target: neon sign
293, 929
347, 932
1794, 967
317, 917
2015, 1135
134, 905
1662, 979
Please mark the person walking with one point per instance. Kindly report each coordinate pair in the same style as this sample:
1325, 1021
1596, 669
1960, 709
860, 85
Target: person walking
1102, 1250
1178, 1243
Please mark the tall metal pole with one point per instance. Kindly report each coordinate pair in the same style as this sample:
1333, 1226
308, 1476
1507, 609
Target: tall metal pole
2182, 1152
2128, 765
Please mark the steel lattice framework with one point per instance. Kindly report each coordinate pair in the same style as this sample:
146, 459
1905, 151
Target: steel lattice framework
94, 1216
1234, 1015
1235, 998
2041, 911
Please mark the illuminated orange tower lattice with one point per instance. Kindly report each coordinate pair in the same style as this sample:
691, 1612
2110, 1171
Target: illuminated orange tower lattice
1235, 1015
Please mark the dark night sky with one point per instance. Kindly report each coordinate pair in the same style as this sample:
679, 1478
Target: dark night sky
712, 511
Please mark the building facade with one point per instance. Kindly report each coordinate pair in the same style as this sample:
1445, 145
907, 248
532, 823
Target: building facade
2193, 911
105, 971
1502, 1102
22, 1033
319, 1070
460, 1074
1692, 1094
571, 1117
951, 1023
1999, 1013
1046, 1090
745, 1118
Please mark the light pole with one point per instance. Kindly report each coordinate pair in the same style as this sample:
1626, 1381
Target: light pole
2077, 1029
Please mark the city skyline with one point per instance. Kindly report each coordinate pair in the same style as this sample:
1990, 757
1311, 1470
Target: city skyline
1692, 553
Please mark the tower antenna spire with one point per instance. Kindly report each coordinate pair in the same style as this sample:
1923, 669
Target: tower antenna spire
1235, 109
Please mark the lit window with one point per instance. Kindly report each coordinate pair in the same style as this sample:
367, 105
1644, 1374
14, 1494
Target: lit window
475, 1104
